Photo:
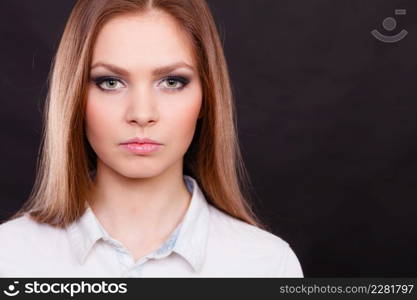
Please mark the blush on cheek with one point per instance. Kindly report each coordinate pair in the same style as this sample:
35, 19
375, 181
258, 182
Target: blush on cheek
188, 118
100, 109
98, 119
191, 107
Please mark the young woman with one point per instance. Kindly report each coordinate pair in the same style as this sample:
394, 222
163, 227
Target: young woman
140, 172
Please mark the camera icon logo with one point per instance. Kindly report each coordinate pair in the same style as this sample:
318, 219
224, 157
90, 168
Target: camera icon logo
11, 291
390, 24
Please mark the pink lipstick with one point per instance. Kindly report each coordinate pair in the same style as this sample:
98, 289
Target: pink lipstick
141, 145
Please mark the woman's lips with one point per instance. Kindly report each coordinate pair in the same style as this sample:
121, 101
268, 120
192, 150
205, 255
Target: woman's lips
141, 148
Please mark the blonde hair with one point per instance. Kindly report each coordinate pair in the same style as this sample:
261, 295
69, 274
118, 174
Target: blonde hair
66, 158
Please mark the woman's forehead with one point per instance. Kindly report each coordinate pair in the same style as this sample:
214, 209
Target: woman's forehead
143, 41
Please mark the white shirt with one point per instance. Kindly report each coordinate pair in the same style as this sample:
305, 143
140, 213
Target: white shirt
207, 243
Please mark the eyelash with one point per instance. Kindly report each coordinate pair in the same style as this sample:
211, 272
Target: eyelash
180, 79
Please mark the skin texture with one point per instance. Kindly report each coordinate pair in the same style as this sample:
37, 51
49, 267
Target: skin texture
139, 199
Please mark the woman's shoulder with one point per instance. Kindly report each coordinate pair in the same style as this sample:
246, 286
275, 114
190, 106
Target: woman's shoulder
16, 226
253, 241
18, 237
227, 225
24, 229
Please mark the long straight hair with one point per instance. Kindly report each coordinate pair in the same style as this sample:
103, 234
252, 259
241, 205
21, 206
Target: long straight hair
66, 161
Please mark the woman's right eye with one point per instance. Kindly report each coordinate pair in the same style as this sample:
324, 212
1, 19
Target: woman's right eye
107, 83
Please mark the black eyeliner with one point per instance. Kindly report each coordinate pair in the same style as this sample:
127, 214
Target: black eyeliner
100, 79
181, 79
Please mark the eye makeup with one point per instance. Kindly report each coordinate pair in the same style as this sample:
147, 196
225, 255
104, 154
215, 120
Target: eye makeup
180, 80
183, 81
100, 80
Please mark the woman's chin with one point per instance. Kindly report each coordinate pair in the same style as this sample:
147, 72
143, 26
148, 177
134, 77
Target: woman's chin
139, 173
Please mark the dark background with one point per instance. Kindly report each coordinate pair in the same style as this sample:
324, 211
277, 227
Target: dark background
326, 116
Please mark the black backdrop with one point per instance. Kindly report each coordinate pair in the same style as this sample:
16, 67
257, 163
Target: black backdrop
326, 116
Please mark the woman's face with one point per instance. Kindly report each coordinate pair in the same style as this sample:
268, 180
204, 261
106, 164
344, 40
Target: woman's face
144, 83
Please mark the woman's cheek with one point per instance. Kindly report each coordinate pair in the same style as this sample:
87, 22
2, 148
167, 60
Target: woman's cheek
182, 121
99, 115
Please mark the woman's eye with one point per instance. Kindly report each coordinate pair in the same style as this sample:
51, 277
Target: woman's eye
175, 82
108, 84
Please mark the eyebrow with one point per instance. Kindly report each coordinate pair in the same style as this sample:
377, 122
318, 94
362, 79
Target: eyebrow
156, 72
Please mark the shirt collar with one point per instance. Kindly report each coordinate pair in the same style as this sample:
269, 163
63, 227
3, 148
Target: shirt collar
188, 239
192, 237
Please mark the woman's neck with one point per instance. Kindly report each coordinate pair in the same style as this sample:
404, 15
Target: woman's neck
139, 212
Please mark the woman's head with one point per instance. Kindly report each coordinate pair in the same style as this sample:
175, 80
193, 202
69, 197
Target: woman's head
191, 114
147, 87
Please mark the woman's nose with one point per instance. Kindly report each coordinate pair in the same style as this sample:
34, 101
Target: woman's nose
142, 107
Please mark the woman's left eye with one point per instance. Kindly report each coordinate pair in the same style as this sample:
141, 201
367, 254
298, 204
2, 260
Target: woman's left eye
175, 82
